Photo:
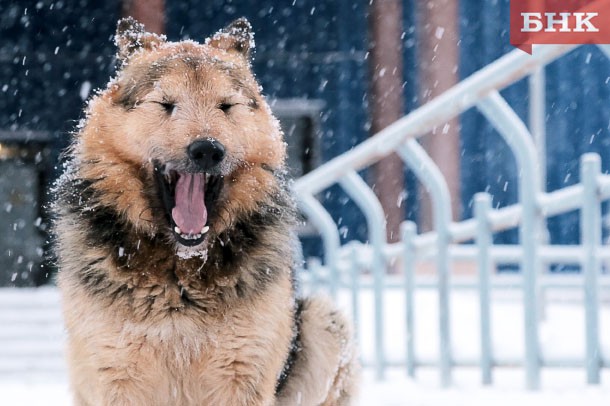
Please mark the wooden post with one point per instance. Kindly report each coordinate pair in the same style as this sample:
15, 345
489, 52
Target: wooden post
386, 104
151, 13
438, 61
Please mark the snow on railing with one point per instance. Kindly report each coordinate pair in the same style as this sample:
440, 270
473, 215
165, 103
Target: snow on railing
344, 264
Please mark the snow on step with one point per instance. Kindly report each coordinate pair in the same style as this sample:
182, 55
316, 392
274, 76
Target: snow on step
31, 332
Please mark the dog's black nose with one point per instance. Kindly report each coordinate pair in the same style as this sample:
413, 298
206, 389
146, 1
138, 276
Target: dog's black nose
207, 154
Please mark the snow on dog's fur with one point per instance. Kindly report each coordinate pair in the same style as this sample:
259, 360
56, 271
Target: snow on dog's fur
175, 244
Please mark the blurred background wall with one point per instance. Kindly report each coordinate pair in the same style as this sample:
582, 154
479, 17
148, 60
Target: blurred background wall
314, 60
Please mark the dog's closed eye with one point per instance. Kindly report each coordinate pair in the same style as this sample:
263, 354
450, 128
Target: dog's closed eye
226, 106
169, 107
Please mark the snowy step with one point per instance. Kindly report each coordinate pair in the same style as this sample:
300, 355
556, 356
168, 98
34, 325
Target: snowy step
19, 330
32, 365
42, 317
30, 346
31, 333
29, 297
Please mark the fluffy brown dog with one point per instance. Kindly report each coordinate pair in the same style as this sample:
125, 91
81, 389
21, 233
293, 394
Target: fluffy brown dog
175, 244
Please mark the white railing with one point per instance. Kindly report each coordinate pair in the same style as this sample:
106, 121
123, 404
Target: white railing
343, 265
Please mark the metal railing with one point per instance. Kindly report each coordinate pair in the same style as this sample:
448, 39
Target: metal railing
343, 265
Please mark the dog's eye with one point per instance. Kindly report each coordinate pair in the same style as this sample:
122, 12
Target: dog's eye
225, 107
169, 107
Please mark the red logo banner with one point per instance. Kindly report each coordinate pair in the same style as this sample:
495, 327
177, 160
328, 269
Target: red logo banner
559, 22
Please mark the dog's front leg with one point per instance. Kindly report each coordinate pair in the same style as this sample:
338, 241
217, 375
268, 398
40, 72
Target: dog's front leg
121, 387
325, 371
120, 392
105, 373
242, 387
79, 400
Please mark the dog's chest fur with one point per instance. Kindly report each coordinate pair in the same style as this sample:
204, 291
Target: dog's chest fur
178, 351
175, 331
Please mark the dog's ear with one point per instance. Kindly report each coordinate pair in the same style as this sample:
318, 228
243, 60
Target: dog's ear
235, 37
131, 37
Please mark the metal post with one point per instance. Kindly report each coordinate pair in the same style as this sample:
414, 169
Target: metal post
537, 113
484, 241
355, 287
366, 200
408, 231
515, 133
537, 126
323, 222
590, 229
430, 176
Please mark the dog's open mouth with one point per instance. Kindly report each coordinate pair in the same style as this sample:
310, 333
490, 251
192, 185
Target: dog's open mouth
189, 200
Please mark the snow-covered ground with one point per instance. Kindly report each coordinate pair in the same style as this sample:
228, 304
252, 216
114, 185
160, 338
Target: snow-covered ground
562, 337
560, 388
561, 329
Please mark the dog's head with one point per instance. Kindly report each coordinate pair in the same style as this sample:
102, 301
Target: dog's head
182, 141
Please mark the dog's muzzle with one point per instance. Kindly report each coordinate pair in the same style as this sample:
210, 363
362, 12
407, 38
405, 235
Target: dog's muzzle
189, 195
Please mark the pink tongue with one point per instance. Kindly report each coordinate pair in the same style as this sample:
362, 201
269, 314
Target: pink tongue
190, 213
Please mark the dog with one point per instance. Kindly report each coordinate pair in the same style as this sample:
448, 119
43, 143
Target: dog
175, 242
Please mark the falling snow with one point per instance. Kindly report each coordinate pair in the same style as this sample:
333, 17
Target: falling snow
55, 53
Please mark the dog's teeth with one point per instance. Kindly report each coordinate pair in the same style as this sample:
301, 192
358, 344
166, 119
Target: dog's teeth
177, 230
190, 236
205, 229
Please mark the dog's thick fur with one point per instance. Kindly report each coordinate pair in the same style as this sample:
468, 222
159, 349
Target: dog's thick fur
162, 317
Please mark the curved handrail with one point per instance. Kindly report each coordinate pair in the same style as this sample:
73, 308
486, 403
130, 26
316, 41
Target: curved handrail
503, 72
